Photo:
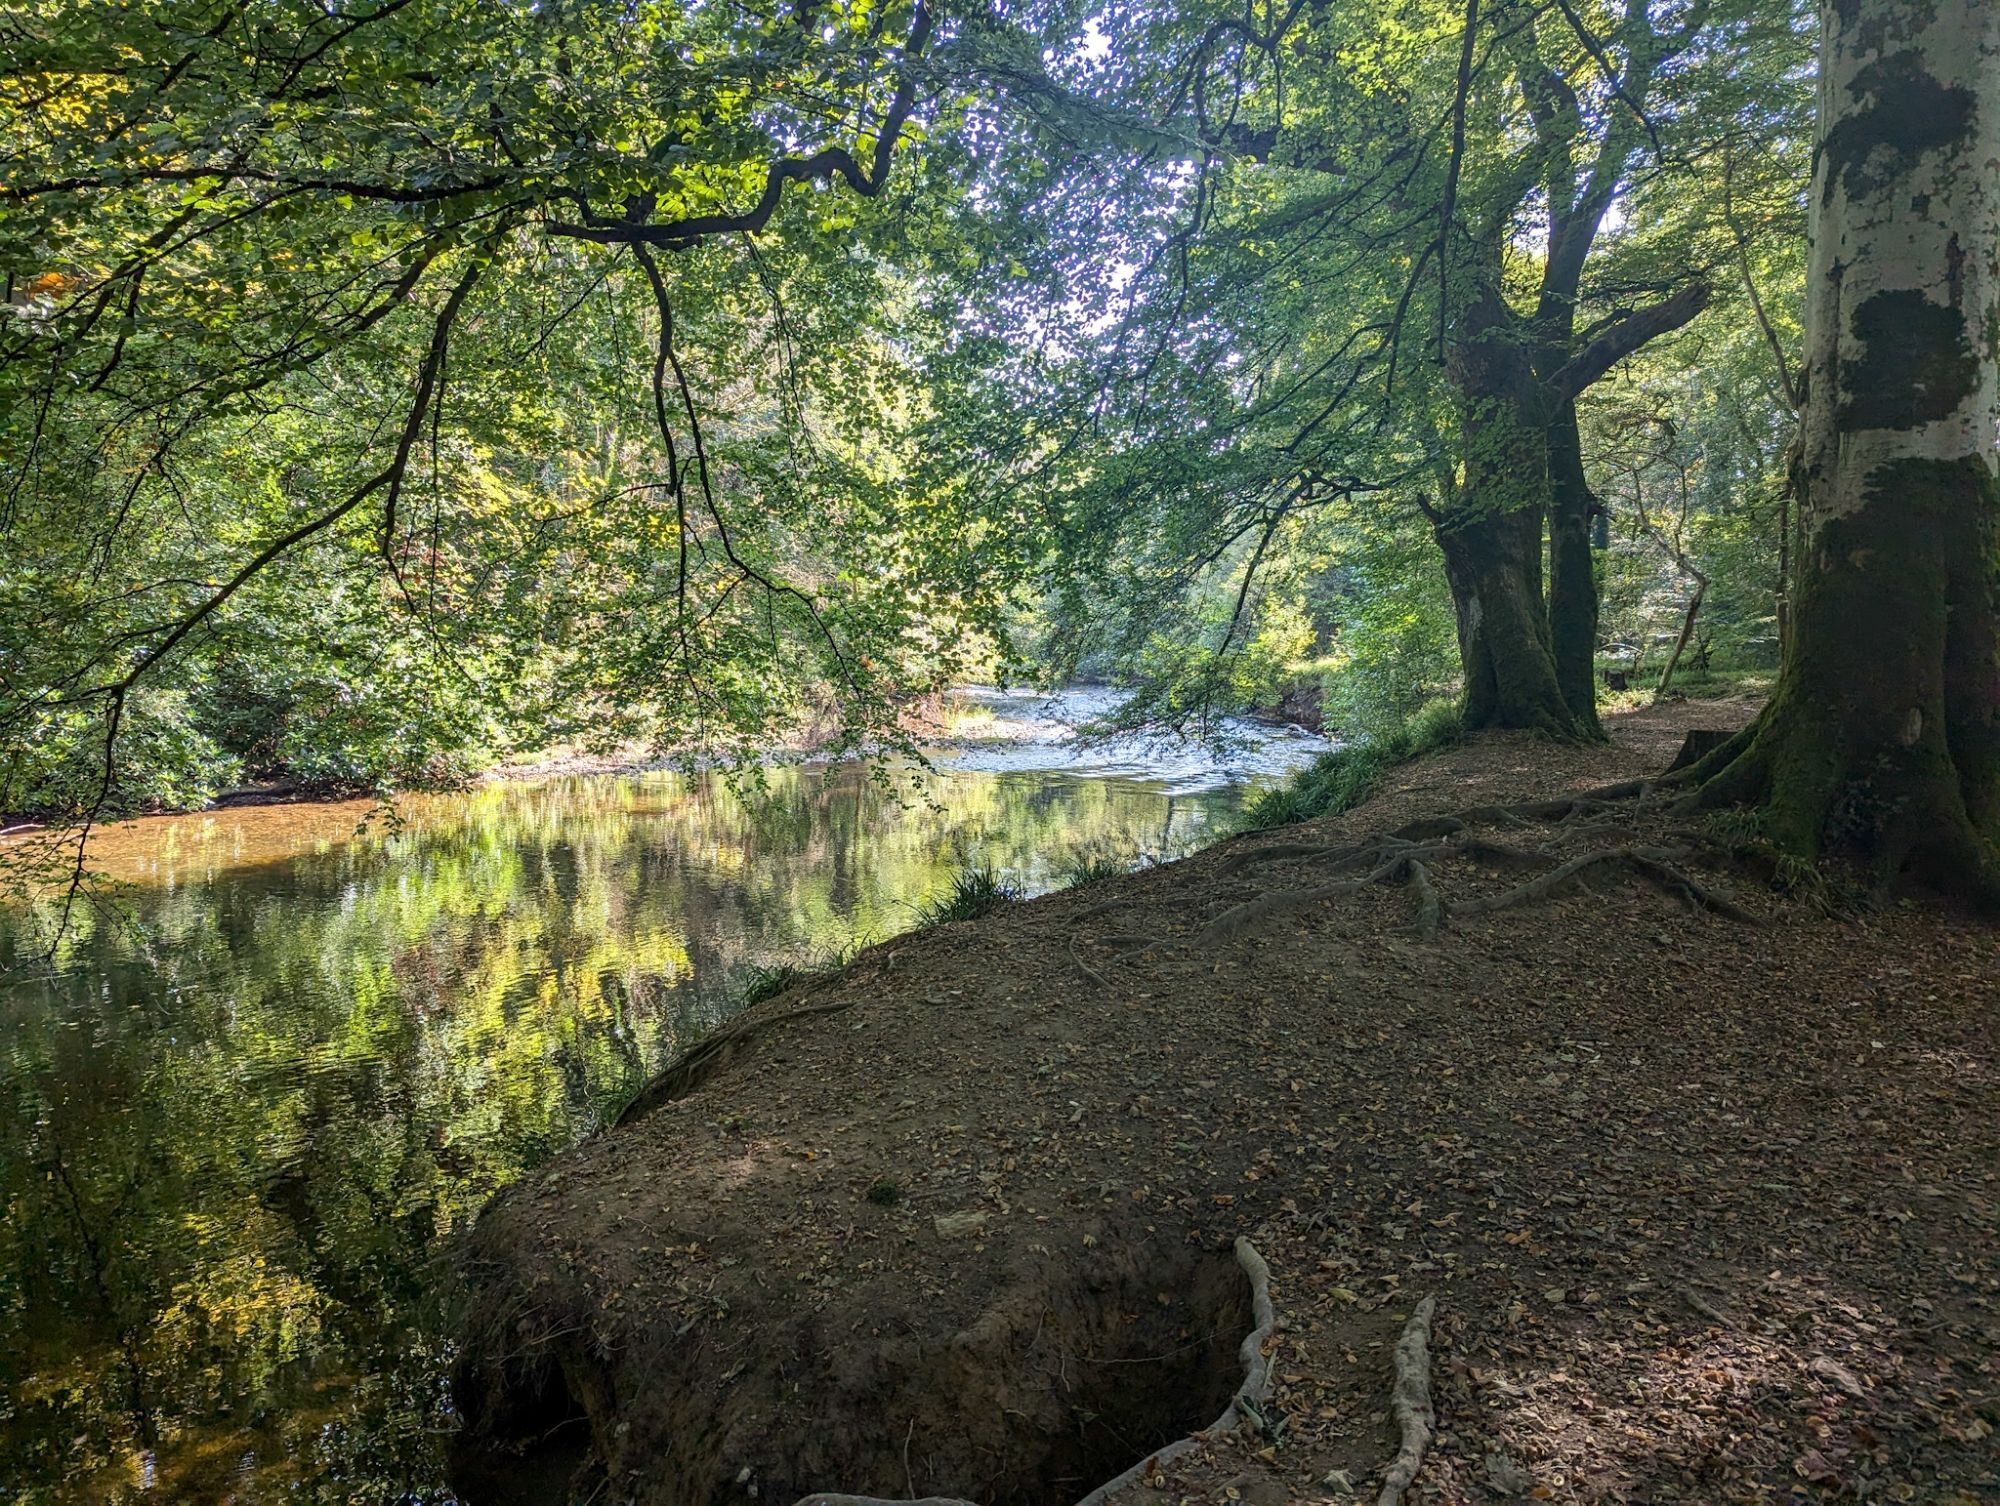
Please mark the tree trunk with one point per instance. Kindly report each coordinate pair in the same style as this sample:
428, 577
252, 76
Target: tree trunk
1681, 643
1882, 743
1493, 563
1572, 571
1491, 533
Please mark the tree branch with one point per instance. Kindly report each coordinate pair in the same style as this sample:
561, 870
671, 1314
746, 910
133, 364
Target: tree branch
823, 165
1626, 336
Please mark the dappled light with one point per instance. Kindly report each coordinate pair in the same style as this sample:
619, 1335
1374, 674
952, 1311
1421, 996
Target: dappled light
952, 753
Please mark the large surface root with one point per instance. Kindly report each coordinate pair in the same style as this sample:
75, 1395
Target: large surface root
1410, 1402
1413, 854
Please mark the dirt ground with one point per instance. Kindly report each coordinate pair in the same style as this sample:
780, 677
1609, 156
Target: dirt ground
1710, 1209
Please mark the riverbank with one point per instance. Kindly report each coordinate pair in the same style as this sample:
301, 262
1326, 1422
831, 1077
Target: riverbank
1704, 1194
967, 720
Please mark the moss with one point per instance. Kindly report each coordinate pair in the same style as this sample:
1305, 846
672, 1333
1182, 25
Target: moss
1908, 114
1916, 364
1883, 741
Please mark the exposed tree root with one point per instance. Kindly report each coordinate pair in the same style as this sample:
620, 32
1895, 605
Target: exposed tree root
1276, 852
1252, 915
1681, 882
1409, 856
1549, 884
1084, 967
1246, 1406
1655, 864
1430, 909
692, 1067
1411, 1403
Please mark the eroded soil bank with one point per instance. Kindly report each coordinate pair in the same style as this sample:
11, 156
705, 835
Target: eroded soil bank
1710, 1209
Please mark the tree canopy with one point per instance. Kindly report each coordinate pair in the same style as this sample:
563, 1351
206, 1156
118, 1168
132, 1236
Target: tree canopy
390, 386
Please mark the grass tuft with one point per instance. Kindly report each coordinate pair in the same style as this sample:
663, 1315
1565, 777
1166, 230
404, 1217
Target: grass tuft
1342, 779
763, 983
972, 894
1090, 868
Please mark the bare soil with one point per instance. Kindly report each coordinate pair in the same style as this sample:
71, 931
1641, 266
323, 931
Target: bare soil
1710, 1209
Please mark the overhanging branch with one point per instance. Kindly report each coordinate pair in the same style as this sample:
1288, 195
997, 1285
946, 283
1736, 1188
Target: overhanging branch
1626, 336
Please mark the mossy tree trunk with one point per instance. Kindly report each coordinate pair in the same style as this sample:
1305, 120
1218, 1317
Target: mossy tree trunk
1490, 527
1516, 380
1882, 743
1493, 563
1572, 569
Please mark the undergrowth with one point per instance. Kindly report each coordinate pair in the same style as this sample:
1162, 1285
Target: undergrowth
1090, 868
971, 894
763, 983
1340, 780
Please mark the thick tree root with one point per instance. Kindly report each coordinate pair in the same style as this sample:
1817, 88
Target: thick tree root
1411, 1404
1655, 864
1252, 915
1410, 855
1430, 909
1245, 1407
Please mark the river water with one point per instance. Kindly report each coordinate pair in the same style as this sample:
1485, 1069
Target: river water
242, 1111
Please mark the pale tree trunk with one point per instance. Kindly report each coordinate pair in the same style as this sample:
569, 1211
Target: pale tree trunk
1882, 742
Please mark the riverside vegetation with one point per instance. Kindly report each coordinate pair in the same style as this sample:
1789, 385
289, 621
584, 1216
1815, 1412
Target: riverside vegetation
1564, 1090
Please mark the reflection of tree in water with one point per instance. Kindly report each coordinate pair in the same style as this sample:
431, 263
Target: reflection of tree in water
232, 1141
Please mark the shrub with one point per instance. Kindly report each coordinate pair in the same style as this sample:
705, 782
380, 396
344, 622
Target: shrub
1340, 780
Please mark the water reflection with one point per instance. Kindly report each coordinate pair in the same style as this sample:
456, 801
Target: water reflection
231, 1136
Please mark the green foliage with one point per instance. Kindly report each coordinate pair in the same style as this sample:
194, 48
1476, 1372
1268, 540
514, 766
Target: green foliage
973, 892
1394, 645
1090, 868
765, 983
164, 761
1342, 779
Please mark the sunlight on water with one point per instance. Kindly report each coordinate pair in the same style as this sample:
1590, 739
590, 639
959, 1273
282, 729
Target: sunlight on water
239, 1120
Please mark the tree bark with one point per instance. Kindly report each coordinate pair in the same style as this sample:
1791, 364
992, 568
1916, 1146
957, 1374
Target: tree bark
1882, 743
1572, 570
1491, 530
1681, 643
1493, 564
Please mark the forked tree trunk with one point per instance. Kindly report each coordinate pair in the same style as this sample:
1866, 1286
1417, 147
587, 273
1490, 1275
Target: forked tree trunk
1882, 742
1493, 564
1572, 571
1491, 533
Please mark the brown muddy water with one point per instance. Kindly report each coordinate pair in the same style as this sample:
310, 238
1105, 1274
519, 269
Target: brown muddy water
242, 1109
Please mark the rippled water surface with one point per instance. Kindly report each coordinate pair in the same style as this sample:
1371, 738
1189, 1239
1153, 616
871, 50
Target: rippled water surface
237, 1120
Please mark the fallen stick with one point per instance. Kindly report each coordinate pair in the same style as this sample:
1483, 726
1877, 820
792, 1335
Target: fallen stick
1411, 1403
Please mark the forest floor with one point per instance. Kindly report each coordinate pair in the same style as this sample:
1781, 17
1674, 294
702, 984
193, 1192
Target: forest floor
1710, 1209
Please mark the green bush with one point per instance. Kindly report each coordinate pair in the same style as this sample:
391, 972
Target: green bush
1341, 779
164, 761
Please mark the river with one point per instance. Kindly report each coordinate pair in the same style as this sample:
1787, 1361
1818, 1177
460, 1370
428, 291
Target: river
242, 1109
